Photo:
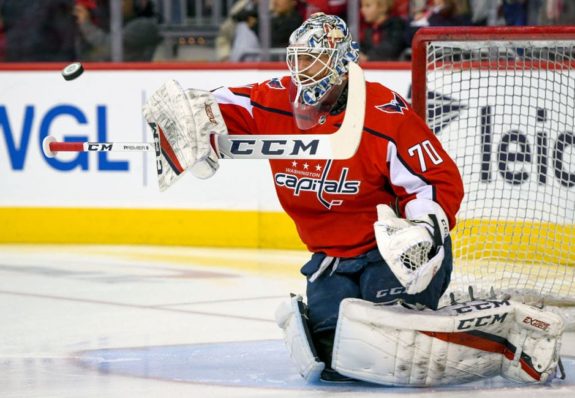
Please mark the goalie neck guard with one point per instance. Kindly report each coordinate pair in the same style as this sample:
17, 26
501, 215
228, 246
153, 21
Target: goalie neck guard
317, 57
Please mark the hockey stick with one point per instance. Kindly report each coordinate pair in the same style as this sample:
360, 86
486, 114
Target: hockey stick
340, 145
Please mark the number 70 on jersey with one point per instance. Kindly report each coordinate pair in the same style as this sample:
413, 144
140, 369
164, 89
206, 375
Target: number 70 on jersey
423, 151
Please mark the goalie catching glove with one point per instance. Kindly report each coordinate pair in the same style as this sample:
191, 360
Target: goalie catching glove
413, 247
183, 122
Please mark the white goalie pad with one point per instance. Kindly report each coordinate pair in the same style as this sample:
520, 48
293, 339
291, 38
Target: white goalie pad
397, 346
182, 123
537, 336
289, 317
406, 247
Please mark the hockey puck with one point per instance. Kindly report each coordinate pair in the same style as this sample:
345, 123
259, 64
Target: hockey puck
72, 71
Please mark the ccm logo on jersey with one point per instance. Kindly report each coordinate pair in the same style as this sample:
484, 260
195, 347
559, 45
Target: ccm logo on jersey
396, 105
536, 323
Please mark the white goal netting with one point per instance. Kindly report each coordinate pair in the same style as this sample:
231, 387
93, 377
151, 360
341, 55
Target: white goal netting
505, 111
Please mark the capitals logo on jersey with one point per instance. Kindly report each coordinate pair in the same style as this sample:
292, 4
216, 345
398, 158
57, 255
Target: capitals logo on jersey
318, 183
276, 84
396, 105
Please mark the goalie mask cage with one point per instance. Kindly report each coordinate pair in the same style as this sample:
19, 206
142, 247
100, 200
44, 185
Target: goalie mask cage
502, 102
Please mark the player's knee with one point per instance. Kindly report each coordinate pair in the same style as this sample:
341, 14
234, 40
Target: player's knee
325, 293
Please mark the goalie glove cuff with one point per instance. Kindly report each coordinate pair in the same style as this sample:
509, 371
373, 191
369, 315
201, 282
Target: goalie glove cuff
429, 214
204, 169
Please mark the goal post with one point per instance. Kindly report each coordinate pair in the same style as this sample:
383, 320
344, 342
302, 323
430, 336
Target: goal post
502, 102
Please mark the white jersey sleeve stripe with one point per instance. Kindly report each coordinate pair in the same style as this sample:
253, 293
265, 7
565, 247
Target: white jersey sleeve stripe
401, 176
225, 96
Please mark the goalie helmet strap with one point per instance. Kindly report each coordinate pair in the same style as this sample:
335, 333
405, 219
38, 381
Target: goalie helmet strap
339, 105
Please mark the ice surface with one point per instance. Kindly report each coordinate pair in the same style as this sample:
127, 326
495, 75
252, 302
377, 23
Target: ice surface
96, 321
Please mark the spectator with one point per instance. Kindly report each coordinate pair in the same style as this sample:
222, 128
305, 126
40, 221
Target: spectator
227, 31
333, 7
97, 14
566, 12
246, 45
440, 13
383, 38
555, 12
400, 9
285, 19
38, 30
418, 8
2, 40
140, 32
484, 12
515, 12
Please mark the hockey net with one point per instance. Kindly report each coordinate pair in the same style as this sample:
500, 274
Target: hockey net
502, 102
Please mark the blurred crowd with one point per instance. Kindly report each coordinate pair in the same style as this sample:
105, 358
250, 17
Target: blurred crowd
70, 30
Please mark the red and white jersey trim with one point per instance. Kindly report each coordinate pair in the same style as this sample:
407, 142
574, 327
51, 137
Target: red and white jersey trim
401, 176
226, 96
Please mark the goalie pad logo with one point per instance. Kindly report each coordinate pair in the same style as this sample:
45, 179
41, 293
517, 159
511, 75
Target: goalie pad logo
210, 113
539, 324
157, 148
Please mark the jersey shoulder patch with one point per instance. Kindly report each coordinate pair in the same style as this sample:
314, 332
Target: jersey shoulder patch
396, 105
275, 84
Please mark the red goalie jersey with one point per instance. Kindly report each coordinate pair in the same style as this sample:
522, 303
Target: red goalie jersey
333, 202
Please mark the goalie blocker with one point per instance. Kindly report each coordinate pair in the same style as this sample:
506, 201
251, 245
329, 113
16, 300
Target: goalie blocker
397, 346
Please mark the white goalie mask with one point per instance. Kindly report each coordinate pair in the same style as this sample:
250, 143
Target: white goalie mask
317, 57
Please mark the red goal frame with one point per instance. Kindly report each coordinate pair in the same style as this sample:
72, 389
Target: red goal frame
425, 35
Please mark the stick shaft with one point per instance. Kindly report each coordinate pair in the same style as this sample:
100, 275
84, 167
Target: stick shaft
339, 145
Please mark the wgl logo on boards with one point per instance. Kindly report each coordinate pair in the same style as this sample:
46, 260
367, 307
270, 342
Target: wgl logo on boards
18, 149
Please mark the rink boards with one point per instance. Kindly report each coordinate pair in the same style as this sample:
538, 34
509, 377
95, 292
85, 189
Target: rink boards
113, 198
